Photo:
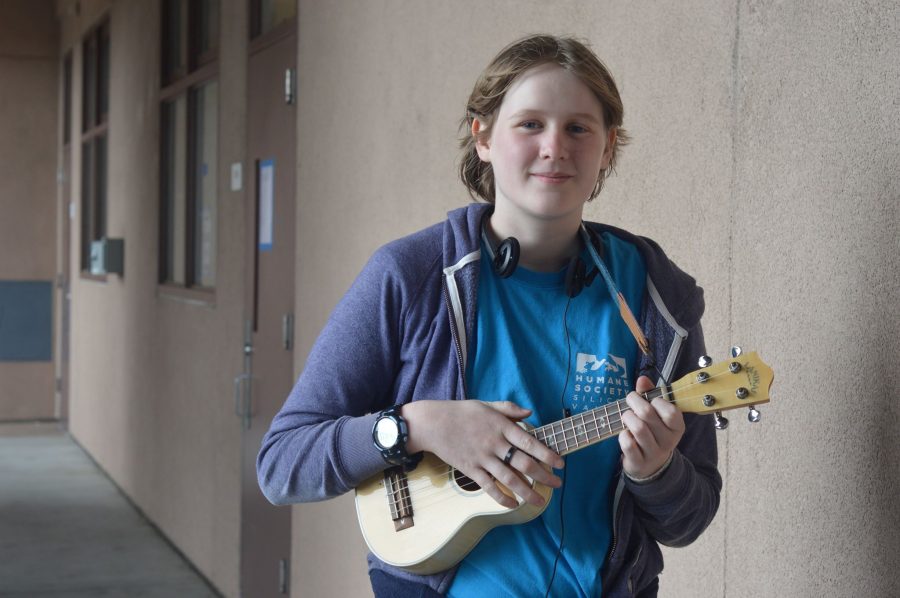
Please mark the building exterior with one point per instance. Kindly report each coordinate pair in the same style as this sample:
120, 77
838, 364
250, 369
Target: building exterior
244, 157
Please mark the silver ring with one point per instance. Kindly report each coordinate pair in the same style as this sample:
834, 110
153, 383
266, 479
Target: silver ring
509, 454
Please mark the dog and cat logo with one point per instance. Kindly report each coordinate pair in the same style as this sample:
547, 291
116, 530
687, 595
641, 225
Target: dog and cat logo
599, 380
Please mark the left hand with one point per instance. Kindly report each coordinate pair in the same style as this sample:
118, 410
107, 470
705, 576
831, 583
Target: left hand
652, 431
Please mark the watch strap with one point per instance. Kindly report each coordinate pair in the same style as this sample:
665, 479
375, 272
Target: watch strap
396, 454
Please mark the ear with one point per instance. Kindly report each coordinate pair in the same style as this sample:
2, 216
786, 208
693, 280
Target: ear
611, 137
482, 142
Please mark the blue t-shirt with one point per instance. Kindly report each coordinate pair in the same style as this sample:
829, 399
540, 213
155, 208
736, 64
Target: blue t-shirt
520, 355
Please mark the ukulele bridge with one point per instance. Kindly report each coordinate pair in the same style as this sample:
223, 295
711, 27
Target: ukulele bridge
397, 486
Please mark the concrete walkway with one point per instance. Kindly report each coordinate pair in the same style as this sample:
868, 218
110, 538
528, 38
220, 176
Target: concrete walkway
66, 530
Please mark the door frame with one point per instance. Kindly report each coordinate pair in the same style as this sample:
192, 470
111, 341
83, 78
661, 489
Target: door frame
249, 383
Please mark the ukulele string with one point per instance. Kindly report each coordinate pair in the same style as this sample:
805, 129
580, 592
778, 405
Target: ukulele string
563, 439
425, 488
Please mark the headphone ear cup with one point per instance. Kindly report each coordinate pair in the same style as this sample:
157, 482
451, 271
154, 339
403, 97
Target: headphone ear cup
506, 258
575, 275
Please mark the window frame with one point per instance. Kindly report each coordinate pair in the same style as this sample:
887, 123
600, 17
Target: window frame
94, 130
200, 68
68, 74
260, 39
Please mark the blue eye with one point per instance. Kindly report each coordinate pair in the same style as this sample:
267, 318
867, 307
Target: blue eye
530, 124
577, 129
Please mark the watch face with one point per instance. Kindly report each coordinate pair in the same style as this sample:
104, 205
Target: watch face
387, 432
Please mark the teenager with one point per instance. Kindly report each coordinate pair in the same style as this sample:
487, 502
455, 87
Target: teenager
502, 313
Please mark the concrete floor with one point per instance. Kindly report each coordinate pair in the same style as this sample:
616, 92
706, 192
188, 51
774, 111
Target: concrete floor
66, 530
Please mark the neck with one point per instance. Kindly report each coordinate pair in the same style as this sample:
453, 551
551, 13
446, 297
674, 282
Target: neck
590, 427
546, 245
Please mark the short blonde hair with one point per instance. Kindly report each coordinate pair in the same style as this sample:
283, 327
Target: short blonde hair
504, 70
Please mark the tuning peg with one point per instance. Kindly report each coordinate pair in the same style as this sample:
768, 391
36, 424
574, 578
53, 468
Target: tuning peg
736, 351
721, 422
754, 415
705, 361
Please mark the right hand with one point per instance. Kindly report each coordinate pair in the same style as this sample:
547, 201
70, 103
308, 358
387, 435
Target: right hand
474, 437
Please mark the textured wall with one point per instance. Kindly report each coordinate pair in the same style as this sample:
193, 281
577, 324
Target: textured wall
812, 496
763, 160
765, 145
151, 374
28, 141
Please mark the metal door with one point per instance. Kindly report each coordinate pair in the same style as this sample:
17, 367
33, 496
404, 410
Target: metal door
268, 372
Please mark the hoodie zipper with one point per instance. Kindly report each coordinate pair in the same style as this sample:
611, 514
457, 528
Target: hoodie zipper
675, 350
617, 516
454, 332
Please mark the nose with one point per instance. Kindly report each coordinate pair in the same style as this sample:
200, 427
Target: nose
553, 144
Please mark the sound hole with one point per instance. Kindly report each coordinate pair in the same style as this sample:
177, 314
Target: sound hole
464, 482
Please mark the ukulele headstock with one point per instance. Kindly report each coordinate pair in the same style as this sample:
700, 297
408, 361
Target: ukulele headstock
742, 381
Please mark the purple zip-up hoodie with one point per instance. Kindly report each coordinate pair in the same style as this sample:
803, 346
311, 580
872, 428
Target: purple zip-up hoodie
401, 333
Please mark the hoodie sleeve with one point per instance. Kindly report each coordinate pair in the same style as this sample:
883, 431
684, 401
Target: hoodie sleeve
676, 507
319, 445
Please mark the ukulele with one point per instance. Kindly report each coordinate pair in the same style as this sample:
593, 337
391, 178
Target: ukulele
428, 519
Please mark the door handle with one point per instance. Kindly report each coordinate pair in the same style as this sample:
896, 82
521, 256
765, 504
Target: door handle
290, 86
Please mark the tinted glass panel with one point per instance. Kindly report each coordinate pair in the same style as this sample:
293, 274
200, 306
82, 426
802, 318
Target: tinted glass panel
209, 26
89, 83
103, 74
175, 40
100, 187
205, 188
174, 188
275, 12
67, 99
86, 169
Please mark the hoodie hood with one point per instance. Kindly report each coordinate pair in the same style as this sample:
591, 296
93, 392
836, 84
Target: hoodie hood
679, 292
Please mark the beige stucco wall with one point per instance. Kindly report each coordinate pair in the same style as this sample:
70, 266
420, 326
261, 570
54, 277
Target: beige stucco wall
765, 144
812, 502
29, 68
764, 158
151, 396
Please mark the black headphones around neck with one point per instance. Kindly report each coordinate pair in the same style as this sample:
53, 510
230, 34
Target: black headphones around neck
505, 259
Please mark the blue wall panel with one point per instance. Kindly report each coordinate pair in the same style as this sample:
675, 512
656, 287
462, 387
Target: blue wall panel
26, 320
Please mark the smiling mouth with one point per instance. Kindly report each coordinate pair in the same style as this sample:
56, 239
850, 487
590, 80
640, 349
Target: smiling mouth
552, 177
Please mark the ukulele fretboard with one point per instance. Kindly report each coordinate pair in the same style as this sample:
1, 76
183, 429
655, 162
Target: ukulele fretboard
587, 428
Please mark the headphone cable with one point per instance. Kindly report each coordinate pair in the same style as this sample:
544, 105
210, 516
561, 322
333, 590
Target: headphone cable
562, 492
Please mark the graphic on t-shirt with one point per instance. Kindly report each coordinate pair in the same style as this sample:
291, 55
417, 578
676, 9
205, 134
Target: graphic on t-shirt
597, 381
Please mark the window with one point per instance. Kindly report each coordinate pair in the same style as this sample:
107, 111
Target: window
266, 15
189, 116
95, 129
67, 99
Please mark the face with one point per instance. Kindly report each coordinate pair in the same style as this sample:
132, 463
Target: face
547, 146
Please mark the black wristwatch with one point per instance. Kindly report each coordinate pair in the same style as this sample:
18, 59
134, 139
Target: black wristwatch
390, 434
